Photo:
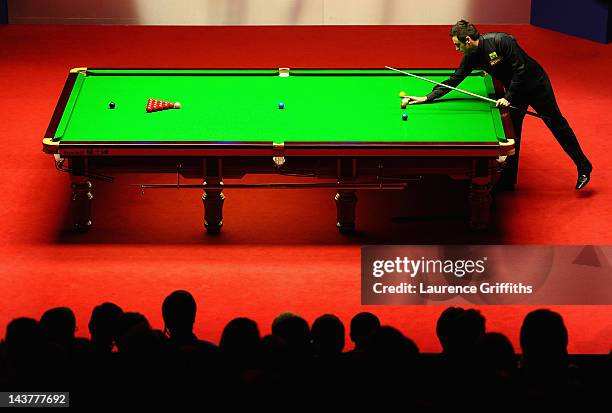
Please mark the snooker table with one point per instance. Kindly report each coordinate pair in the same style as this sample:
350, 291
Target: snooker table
342, 129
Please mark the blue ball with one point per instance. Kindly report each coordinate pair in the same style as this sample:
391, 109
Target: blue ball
281, 105
405, 116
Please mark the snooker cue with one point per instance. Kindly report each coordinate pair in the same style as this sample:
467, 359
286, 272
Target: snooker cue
527, 112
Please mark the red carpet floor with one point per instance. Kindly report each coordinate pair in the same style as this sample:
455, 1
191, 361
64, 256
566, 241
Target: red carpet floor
279, 250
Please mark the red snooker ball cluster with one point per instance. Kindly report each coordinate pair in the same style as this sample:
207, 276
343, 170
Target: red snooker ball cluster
155, 105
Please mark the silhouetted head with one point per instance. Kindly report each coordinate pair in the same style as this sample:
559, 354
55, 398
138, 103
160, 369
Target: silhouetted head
179, 312
543, 336
458, 329
22, 332
240, 339
104, 323
134, 332
294, 330
58, 325
472, 326
327, 335
446, 326
363, 325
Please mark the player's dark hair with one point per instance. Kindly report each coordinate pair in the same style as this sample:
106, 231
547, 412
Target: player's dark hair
464, 28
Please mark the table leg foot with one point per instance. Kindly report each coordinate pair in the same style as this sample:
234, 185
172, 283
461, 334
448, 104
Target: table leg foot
213, 229
82, 197
82, 228
213, 210
346, 229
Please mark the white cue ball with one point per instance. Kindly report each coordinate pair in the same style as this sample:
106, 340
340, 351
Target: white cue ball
405, 100
177, 105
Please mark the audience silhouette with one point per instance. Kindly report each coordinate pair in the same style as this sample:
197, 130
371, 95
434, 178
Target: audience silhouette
21, 355
327, 337
104, 326
495, 371
545, 368
240, 352
295, 332
363, 327
190, 361
125, 357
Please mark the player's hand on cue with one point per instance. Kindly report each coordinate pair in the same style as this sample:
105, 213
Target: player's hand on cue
502, 102
416, 99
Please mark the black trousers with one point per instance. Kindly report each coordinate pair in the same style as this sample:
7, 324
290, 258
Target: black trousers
542, 100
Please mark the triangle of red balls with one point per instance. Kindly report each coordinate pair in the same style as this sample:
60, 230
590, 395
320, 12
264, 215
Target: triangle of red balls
155, 105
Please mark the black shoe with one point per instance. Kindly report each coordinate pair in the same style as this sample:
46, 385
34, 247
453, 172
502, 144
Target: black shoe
583, 179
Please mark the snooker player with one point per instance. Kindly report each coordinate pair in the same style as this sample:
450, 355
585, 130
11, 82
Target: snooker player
526, 83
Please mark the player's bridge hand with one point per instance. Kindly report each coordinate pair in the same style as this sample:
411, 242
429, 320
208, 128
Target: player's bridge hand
416, 99
502, 102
